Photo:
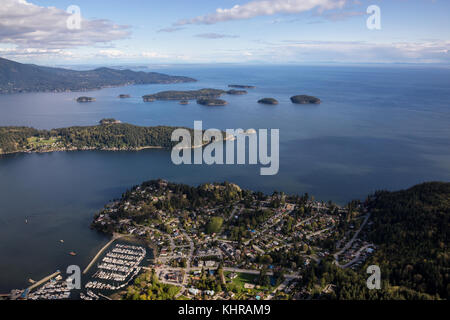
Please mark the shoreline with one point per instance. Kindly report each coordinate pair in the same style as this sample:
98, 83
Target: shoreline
137, 149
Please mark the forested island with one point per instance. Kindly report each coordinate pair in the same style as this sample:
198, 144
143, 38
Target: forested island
268, 101
305, 99
236, 92
211, 102
240, 86
85, 99
17, 77
109, 135
225, 242
185, 95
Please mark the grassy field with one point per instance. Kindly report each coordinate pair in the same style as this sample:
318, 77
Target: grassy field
39, 142
237, 285
242, 279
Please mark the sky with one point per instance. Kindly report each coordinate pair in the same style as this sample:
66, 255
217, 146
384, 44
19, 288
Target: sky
227, 31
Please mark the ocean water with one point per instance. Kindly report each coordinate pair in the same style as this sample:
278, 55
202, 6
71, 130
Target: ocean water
378, 127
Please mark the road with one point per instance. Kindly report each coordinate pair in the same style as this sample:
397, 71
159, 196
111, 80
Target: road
348, 245
281, 287
356, 258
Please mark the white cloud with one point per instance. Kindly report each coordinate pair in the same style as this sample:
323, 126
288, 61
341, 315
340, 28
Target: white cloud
152, 54
215, 36
27, 25
263, 8
360, 51
170, 29
112, 53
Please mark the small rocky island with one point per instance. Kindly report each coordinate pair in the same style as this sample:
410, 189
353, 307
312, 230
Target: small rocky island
236, 92
211, 102
268, 101
85, 99
124, 96
241, 86
304, 99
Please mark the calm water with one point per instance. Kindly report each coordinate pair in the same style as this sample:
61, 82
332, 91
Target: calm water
378, 127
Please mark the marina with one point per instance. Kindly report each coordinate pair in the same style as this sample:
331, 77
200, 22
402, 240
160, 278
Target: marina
117, 268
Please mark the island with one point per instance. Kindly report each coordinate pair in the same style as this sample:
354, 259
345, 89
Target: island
148, 99
109, 121
240, 86
124, 96
17, 77
185, 95
109, 135
305, 99
85, 99
211, 102
236, 92
268, 101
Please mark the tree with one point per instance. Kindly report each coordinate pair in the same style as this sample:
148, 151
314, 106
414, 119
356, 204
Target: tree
214, 225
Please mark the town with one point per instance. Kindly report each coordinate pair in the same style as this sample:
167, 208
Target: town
215, 242
218, 241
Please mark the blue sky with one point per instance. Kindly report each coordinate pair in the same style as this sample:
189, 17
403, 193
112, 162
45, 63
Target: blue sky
258, 31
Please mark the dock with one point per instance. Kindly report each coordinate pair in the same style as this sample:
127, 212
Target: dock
42, 281
115, 237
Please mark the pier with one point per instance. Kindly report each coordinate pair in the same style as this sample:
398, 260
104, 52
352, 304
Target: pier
115, 237
42, 281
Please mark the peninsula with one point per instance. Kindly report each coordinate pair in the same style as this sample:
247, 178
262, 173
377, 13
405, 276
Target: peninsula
109, 135
219, 241
17, 77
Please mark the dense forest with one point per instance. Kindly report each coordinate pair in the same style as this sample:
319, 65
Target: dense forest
411, 228
107, 136
185, 95
411, 231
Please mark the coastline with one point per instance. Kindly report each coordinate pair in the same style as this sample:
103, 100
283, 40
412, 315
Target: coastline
109, 149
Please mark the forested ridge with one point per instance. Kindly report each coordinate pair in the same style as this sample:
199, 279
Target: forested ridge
411, 228
17, 77
120, 136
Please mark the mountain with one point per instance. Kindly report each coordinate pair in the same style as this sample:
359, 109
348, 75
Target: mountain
17, 77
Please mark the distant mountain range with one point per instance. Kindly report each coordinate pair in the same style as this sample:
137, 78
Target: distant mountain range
17, 77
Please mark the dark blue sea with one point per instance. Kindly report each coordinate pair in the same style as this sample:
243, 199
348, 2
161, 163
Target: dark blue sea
378, 127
